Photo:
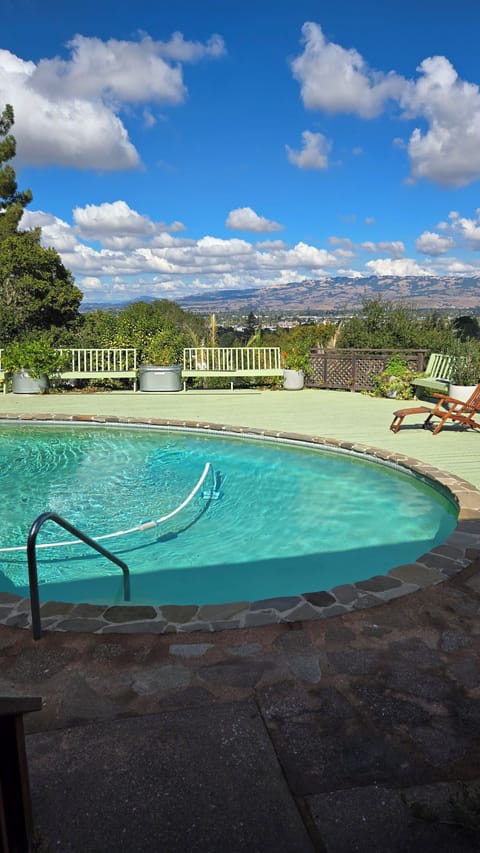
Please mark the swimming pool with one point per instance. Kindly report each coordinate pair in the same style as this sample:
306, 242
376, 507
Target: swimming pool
288, 519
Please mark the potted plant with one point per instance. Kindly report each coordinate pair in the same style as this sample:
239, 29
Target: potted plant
395, 380
296, 364
465, 368
32, 362
162, 359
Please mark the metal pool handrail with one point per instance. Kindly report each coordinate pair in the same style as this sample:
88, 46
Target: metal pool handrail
144, 525
32, 563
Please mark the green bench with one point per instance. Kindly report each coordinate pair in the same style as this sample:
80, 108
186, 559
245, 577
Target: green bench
436, 376
111, 363
231, 362
85, 363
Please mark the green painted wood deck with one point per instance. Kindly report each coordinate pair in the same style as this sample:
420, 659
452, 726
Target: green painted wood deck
331, 414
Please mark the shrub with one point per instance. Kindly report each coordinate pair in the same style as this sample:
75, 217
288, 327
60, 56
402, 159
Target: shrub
395, 380
37, 355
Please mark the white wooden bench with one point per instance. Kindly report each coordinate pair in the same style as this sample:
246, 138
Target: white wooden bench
112, 363
230, 363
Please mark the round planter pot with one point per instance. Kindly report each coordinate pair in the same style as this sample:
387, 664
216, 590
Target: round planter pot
293, 380
392, 395
461, 392
23, 383
155, 378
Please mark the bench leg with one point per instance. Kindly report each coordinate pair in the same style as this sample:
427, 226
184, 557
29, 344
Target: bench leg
396, 423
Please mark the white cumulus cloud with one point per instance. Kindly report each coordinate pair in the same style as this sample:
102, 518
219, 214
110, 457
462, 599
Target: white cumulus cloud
343, 242
467, 228
67, 110
395, 248
430, 243
314, 153
114, 247
174, 264
245, 219
55, 232
53, 128
336, 80
449, 151
132, 72
91, 285
97, 221
403, 267
117, 226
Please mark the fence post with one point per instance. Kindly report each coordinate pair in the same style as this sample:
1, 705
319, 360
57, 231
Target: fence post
353, 386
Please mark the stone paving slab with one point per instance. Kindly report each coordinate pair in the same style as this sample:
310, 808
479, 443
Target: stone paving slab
376, 819
178, 781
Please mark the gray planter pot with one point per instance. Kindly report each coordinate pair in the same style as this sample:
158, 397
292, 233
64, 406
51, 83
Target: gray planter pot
155, 378
293, 380
23, 383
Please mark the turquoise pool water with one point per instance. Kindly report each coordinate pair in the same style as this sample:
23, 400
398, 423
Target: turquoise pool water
288, 519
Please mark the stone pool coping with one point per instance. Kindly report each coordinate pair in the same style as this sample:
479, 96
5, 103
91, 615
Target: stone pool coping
457, 553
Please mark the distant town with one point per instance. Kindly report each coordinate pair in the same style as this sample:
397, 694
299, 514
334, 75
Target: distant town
331, 298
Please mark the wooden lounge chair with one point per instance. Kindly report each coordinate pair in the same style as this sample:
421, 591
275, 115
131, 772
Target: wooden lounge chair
456, 410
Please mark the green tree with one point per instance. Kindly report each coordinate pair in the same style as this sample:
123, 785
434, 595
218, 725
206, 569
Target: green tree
251, 325
226, 337
385, 325
97, 329
467, 327
166, 347
12, 202
139, 322
37, 293
309, 336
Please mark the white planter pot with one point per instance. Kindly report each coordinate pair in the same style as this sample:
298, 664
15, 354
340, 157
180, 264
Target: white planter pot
293, 380
461, 392
23, 383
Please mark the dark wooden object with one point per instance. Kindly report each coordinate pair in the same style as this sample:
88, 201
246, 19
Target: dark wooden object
16, 821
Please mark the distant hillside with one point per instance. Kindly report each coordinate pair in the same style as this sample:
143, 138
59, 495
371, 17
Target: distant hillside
334, 293
328, 294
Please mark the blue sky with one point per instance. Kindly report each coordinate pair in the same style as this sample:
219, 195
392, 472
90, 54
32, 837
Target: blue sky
199, 146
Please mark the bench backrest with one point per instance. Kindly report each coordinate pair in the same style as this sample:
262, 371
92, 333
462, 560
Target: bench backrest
246, 360
91, 361
439, 365
113, 359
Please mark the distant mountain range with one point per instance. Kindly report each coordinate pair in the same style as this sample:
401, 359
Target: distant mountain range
335, 293
341, 293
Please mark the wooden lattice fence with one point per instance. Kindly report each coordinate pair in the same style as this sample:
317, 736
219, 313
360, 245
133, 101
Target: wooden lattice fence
354, 369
